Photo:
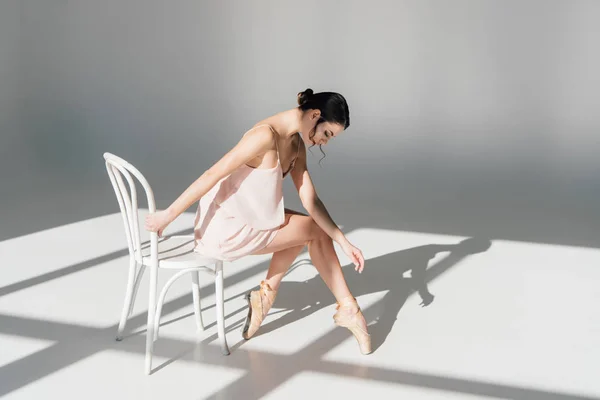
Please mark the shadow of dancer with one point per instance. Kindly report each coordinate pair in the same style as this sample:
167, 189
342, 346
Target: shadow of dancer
383, 273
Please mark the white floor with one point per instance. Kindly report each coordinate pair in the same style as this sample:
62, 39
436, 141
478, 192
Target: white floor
509, 320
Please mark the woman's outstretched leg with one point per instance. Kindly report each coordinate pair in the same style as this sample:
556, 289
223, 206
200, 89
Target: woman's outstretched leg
297, 231
349, 314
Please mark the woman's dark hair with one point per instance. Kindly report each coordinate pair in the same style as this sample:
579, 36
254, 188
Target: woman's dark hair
332, 105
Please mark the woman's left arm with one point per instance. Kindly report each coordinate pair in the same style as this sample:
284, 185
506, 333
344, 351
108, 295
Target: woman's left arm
316, 209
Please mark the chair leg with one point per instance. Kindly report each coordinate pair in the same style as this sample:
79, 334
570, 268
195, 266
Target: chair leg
129, 296
220, 306
151, 316
136, 286
163, 294
196, 295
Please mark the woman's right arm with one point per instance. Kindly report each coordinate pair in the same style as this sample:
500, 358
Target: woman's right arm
253, 144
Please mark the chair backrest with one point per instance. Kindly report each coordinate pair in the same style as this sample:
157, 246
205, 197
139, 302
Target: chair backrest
127, 197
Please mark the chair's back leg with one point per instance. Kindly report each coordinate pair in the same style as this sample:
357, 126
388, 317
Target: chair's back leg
136, 286
220, 306
197, 303
128, 297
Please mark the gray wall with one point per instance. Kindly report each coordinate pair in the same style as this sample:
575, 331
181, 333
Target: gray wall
468, 117
11, 146
9, 65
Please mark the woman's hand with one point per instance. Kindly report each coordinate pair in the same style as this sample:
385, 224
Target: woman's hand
158, 221
354, 254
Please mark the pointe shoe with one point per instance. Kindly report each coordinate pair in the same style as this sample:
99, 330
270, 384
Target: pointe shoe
259, 304
347, 319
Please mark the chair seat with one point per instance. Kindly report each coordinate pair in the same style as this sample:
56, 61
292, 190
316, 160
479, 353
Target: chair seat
177, 252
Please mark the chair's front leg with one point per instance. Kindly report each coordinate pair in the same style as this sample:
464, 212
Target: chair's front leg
196, 296
151, 315
220, 306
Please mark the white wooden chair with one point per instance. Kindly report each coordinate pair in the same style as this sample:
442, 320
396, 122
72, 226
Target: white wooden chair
169, 252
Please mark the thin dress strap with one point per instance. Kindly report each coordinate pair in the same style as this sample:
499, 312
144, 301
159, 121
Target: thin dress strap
276, 142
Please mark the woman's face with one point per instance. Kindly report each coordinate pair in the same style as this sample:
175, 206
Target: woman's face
323, 133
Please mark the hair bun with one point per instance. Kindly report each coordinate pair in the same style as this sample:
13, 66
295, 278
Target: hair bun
303, 97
